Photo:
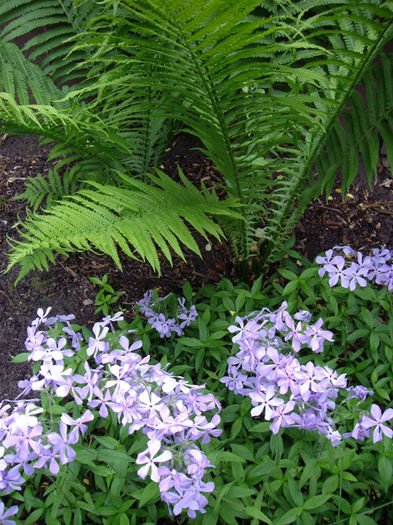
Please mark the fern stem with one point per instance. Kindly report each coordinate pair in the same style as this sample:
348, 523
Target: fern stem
212, 95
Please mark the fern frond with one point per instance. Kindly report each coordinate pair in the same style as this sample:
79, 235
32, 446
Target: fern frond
139, 221
47, 26
45, 191
356, 135
23, 80
79, 130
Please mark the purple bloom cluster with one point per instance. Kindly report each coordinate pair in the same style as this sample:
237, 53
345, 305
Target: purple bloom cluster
349, 268
289, 393
150, 306
170, 411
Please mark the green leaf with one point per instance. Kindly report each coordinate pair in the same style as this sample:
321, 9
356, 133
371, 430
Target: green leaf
149, 493
316, 501
108, 456
108, 442
237, 491
243, 451
296, 495
218, 456
386, 471
187, 291
290, 287
21, 358
289, 517
33, 517
259, 515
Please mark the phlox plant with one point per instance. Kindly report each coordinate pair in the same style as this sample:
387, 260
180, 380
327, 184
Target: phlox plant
301, 368
105, 379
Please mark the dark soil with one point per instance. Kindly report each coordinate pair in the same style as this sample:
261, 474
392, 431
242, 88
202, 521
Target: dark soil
364, 220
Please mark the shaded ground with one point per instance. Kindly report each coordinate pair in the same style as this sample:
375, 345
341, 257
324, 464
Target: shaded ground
364, 220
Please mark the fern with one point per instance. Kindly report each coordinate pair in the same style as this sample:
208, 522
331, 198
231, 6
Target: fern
106, 218
268, 90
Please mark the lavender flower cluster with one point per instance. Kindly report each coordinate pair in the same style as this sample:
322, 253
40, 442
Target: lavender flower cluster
289, 393
351, 269
170, 411
150, 306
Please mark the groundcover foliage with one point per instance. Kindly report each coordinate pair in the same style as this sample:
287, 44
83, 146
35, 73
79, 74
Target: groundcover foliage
265, 469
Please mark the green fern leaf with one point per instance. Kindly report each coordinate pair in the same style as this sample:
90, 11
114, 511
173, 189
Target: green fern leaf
135, 220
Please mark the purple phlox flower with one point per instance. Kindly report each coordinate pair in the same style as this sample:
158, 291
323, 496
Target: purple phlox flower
377, 420
358, 432
296, 333
78, 424
282, 416
368, 264
311, 381
11, 479
53, 351
248, 331
149, 459
166, 423
55, 375
332, 378
28, 418
165, 326
303, 315
25, 440
234, 381
197, 462
149, 403
317, 336
144, 303
102, 401
193, 500
91, 379
122, 374
59, 318
336, 271
26, 385
202, 428
124, 342
49, 455
75, 337
279, 361
332, 435
109, 319
310, 419
278, 318
188, 316
62, 442
359, 392
41, 316
355, 275
64, 383
5, 514
382, 255
289, 376
35, 341
97, 343
265, 401
199, 403
127, 408
323, 261
347, 250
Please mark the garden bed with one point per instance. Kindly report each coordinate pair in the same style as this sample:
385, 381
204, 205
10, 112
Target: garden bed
364, 220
